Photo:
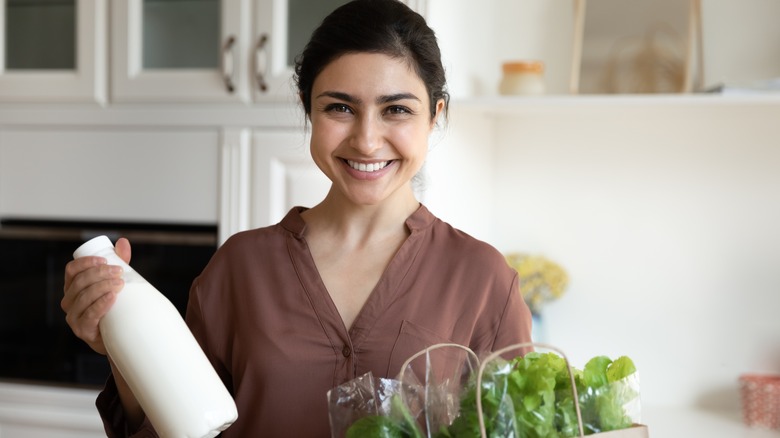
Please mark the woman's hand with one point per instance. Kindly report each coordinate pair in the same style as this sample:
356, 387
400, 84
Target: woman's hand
91, 287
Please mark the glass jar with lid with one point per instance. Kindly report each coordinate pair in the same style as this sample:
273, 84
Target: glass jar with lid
522, 78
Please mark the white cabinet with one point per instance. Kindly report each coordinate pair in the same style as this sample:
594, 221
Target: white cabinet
264, 173
210, 51
182, 51
283, 175
206, 51
53, 51
77, 173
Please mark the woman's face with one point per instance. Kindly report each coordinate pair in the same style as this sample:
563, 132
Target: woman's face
370, 122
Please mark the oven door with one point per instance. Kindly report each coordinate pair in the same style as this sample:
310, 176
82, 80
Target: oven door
35, 342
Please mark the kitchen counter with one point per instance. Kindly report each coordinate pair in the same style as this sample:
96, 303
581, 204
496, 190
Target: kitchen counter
670, 422
40, 411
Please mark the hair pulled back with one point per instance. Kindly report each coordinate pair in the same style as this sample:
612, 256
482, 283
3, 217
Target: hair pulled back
373, 26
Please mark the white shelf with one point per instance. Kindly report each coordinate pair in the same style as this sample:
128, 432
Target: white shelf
530, 105
152, 115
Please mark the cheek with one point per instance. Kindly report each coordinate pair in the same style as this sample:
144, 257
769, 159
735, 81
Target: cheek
324, 136
414, 139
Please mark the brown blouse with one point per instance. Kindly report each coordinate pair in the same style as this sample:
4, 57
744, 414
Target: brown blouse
271, 330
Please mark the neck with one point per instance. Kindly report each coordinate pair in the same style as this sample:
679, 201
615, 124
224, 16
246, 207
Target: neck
360, 223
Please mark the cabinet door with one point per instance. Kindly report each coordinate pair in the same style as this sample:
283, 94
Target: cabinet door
282, 28
180, 51
283, 175
52, 50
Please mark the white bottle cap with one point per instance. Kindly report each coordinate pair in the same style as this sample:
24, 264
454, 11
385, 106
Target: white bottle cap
93, 246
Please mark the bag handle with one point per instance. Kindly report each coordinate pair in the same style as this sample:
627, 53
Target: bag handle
427, 351
501, 351
435, 347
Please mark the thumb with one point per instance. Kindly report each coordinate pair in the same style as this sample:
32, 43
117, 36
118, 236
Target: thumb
123, 250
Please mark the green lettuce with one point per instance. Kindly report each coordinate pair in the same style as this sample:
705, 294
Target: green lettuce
399, 424
536, 389
527, 397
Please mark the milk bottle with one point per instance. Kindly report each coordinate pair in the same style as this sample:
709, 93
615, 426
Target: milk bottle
159, 358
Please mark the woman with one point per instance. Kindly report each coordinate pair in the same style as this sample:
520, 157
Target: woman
357, 283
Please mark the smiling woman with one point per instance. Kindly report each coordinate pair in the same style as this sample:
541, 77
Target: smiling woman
358, 282
370, 128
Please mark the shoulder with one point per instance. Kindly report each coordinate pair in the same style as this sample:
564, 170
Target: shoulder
455, 245
264, 242
239, 265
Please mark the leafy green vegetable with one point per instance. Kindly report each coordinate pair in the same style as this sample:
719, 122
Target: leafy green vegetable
399, 424
602, 395
497, 408
532, 389
375, 426
621, 368
531, 397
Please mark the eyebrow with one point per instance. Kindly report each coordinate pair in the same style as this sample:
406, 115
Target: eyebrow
380, 100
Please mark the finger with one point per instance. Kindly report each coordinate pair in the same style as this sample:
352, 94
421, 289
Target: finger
81, 264
123, 249
92, 282
90, 307
84, 321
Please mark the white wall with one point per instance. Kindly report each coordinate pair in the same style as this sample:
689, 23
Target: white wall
666, 217
740, 40
458, 173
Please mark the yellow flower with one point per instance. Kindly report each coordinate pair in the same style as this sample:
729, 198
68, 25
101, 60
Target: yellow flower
541, 280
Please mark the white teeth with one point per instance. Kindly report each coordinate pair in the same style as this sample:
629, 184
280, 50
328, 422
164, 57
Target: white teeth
371, 167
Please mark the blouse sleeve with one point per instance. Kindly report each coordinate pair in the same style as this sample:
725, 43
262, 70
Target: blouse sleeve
113, 415
515, 324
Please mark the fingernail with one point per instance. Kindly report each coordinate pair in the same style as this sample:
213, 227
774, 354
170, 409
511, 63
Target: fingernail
116, 270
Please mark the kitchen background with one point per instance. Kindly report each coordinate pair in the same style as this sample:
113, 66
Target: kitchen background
662, 208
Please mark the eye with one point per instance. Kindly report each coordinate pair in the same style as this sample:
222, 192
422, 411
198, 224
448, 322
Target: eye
398, 110
338, 108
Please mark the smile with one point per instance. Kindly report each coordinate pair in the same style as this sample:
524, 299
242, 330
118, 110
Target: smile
367, 167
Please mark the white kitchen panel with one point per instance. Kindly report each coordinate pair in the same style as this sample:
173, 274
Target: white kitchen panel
37, 411
86, 82
114, 175
283, 175
304, 185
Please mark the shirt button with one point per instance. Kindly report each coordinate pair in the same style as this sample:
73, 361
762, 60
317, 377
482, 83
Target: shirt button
346, 351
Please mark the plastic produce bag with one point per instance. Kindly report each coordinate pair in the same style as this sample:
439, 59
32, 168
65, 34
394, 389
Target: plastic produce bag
536, 395
369, 406
421, 402
445, 371
539, 395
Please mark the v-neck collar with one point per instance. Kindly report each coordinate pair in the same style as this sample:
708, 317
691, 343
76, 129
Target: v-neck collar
381, 296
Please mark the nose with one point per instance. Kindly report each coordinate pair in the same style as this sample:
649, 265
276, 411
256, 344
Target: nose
367, 133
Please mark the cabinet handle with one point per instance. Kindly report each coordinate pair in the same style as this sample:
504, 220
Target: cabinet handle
261, 62
228, 64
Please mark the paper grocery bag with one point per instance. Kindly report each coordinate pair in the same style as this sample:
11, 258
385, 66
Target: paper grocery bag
635, 431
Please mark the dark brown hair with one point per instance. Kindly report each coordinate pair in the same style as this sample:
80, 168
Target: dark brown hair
373, 26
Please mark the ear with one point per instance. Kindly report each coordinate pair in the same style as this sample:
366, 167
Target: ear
439, 111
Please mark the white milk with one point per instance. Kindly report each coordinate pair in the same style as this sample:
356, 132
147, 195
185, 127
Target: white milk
159, 358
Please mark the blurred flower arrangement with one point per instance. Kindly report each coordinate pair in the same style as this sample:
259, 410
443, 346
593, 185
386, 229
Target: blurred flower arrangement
541, 279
